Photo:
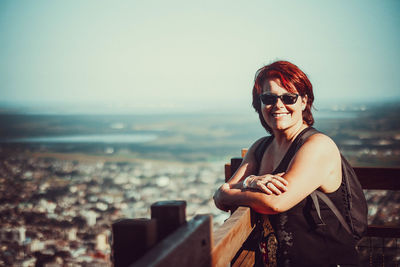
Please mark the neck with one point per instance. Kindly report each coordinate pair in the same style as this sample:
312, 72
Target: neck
286, 137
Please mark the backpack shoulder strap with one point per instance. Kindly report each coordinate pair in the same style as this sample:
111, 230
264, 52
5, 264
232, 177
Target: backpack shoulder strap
331, 205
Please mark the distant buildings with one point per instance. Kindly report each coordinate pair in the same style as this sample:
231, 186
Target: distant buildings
57, 211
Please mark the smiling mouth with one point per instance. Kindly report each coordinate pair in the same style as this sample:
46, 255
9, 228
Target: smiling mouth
279, 115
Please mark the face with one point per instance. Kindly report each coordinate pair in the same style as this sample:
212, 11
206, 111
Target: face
280, 116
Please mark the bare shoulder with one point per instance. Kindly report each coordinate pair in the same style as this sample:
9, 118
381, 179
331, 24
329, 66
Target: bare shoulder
318, 162
319, 148
321, 143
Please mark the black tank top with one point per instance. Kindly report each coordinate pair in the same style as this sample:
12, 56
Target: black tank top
302, 240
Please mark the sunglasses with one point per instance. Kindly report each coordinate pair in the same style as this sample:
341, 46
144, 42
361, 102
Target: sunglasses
271, 99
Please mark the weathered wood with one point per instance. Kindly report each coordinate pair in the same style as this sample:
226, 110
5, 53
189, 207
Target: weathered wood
245, 258
247, 254
189, 245
235, 163
131, 239
244, 151
229, 237
379, 178
170, 215
383, 231
228, 173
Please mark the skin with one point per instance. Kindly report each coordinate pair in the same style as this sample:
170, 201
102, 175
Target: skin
316, 165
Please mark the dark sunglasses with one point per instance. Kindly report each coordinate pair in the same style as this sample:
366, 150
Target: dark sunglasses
271, 99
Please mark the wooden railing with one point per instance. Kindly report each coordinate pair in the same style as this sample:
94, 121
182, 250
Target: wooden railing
196, 243
192, 243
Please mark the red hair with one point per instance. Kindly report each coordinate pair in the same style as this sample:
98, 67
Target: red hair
292, 79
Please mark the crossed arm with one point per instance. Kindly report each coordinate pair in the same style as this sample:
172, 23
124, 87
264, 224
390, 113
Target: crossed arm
315, 165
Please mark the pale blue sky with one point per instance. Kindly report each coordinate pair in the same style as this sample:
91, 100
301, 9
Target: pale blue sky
180, 55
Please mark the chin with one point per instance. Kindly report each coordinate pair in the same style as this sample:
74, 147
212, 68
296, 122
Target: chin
279, 127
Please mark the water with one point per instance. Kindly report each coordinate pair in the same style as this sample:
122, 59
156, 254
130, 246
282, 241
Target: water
98, 138
330, 114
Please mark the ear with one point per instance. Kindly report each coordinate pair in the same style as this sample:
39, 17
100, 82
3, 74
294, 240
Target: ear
304, 100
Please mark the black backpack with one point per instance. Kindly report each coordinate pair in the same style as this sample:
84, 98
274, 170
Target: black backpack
355, 219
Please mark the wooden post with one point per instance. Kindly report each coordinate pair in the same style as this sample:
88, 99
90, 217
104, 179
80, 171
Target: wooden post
132, 238
235, 163
228, 173
190, 245
244, 152
169, 215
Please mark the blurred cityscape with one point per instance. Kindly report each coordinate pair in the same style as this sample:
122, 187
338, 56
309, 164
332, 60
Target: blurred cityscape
61, 211
58, 200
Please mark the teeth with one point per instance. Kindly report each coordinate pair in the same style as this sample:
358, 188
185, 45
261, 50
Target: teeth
277, 115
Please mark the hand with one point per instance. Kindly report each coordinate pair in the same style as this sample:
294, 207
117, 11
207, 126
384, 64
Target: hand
218, 199
268, 183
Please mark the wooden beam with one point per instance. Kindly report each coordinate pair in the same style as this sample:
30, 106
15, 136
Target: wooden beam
383, 231
228, 238
245, 258
189, 245
378, 178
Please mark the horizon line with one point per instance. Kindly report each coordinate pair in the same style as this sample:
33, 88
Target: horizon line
56, 108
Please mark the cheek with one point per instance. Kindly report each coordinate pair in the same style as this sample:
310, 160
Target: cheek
265, 112
297, 108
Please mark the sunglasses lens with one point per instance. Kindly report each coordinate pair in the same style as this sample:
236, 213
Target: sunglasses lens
271, 99
268, 99
289, 99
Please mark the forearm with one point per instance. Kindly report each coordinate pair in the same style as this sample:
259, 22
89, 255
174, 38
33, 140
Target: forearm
256, 200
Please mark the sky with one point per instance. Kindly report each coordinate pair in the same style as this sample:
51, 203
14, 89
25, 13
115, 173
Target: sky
160, 56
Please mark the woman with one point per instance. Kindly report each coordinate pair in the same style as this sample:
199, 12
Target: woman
283, 97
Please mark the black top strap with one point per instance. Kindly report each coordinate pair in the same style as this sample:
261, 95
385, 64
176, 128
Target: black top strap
297, 143
259, 152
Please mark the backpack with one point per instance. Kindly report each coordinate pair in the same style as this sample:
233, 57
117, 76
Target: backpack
354, 220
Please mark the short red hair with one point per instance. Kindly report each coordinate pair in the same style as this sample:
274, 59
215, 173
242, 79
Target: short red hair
292, 79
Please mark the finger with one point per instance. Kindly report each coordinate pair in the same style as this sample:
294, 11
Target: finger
260, 185
264, 189
257, 181
280, 174
222, 207
281, 179
227, 209
266, 178
273, 188
279, 185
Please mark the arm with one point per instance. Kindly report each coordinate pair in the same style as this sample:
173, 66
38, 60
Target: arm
315, 165
267, 184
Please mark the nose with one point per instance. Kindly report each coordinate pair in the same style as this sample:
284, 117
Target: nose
279, 102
